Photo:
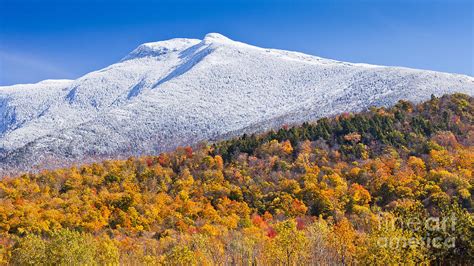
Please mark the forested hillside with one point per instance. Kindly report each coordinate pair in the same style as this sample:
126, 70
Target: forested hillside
387, 186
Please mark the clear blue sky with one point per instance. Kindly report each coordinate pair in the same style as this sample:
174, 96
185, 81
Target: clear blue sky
44, 39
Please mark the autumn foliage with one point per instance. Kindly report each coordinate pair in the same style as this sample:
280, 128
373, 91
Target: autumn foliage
318, 193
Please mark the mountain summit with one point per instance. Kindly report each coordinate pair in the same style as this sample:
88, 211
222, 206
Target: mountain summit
182, 91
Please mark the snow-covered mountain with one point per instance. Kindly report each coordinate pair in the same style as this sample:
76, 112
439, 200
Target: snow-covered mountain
183, 91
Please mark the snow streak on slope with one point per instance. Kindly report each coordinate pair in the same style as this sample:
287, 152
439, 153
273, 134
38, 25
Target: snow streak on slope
183, 91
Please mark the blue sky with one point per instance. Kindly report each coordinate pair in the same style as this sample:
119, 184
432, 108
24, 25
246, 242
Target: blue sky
45, 39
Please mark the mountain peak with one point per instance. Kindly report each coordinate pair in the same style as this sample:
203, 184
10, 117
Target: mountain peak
161, 47
215, 37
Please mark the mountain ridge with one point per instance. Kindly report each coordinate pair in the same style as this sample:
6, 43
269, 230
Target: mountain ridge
182, 91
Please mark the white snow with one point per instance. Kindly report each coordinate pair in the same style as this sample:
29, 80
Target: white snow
183, 91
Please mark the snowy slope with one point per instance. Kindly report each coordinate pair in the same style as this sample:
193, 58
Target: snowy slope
22, 104
183, 91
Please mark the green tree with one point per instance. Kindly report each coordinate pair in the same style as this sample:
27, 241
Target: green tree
29, 250
70, 248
